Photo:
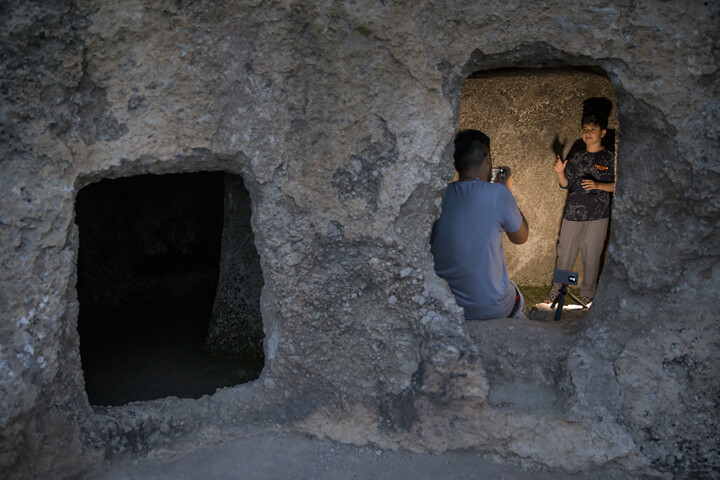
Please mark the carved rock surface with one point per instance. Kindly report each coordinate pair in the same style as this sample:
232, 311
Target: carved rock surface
340, 117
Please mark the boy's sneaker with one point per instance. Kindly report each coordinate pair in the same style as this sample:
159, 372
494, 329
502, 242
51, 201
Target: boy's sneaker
586, 300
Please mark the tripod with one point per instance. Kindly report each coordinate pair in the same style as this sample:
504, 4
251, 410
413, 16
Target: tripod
560, 301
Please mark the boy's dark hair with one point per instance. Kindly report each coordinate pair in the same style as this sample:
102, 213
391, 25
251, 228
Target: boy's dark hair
471, 146
594, 119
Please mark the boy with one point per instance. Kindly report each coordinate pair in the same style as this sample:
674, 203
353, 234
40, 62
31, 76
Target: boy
589, 176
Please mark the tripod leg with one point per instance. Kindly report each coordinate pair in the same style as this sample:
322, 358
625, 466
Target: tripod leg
561, 303
560, 300
572, 295
560, 297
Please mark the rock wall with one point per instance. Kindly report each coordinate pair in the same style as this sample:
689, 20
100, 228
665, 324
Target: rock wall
340, 117
235, 329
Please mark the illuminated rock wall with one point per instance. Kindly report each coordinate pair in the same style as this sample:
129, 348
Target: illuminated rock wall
340, 119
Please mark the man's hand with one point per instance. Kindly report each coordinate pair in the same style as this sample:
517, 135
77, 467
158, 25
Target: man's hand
508, 182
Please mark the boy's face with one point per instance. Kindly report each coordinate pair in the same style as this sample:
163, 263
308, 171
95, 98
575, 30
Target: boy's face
592, 134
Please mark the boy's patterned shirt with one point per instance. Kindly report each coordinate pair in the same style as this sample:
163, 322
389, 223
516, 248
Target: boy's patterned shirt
582, 205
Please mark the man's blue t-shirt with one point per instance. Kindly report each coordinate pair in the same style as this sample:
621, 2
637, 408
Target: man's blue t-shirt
467, 244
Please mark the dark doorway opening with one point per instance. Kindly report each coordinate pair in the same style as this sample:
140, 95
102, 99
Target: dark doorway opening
149, 268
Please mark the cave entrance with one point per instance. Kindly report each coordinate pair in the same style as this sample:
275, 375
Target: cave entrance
530, 113
168, 285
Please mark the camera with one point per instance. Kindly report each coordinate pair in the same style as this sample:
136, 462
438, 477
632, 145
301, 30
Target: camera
499, 173
565, 277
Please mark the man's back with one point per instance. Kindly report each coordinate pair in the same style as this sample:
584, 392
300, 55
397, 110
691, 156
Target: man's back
468, 249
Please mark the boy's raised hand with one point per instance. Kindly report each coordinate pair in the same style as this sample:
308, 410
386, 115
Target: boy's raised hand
559, 166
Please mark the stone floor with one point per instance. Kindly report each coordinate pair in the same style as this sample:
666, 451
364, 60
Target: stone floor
266, 455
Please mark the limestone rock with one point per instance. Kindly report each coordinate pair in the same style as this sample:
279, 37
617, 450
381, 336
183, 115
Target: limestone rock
339, 118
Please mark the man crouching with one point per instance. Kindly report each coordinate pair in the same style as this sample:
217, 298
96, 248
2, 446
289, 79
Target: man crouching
466, 240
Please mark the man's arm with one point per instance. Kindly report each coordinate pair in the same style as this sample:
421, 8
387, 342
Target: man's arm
521, 235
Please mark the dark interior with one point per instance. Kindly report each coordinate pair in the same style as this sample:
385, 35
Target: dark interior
148, 265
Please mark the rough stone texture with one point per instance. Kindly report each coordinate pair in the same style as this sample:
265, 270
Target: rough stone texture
340, 117
526, 113
235, 329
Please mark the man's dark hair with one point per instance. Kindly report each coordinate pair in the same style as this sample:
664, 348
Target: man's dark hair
471, 146
594, 119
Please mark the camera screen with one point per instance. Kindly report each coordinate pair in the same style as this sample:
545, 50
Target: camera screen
565, 276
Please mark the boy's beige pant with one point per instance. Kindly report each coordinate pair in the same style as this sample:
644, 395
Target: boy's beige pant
589, 239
